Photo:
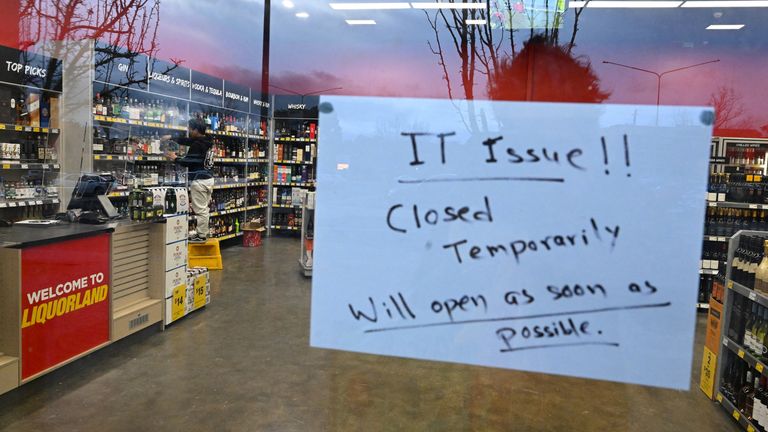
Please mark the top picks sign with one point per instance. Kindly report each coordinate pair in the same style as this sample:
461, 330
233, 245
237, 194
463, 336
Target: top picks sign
512, 234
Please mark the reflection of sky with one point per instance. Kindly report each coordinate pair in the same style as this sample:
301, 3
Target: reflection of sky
223, 38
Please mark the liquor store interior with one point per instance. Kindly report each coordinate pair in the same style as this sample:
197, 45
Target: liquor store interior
161, 164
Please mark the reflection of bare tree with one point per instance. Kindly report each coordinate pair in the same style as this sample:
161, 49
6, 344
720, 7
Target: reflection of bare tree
483, 48
729, 109
128, 23
131, 24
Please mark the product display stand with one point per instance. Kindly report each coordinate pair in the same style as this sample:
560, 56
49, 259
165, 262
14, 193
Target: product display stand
735, 194
307, 233
734, 358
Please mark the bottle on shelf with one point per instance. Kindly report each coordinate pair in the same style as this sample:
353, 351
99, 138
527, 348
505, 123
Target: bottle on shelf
761, 329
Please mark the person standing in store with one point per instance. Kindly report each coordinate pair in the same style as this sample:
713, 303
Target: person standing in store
199, 161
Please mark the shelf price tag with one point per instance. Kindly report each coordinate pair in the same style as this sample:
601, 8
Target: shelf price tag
24, 166
109, 157
18, 128
736, 414
200, 283
730, 284
750, 428
6, 166
11, 204
752, 296
753, 206
719, 397
740, 353
39, 202
759, 367
177, 303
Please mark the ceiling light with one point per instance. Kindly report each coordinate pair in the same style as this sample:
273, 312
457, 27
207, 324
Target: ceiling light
302, 15
288, 4
725, 27
476, 22
634, 4
725, 4
369, 6
576, 4
361, 22
431, 5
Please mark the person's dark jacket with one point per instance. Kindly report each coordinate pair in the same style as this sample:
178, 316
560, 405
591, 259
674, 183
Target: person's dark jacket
198, 159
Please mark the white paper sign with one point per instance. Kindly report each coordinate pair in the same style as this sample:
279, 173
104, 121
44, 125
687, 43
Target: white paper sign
558, 238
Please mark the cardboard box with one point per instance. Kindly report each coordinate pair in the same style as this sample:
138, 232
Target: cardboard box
175, 255
714, 324
176, 228
173, 279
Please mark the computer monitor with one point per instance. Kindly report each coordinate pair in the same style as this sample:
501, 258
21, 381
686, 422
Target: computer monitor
90, 194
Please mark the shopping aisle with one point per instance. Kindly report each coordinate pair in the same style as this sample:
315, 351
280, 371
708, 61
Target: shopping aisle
244, 364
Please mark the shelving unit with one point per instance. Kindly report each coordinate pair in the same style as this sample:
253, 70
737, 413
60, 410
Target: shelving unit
136, 100
730, 158
294, 155
731, 350
30, 181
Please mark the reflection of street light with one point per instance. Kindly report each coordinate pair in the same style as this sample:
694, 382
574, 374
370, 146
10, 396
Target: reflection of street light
659, 74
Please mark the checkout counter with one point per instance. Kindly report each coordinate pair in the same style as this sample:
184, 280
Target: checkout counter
70, 289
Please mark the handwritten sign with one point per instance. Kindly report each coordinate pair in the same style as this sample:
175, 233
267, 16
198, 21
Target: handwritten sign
556, 238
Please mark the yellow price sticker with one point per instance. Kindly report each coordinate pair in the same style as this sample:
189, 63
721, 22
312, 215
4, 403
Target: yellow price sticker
730, 284
2, 127
750, 177
6, 166
177, 303
200, 291
758, 178
759, 367
19, 128
740, 354
109, 157
736, 414
719, 397
750, 428
37, 129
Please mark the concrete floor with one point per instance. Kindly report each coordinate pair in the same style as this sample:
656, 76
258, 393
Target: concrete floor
244, 364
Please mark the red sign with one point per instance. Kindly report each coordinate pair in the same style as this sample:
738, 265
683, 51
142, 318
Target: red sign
64, 301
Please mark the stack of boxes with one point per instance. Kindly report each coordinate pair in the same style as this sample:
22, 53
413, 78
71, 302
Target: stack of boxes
176, 232
193, 293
